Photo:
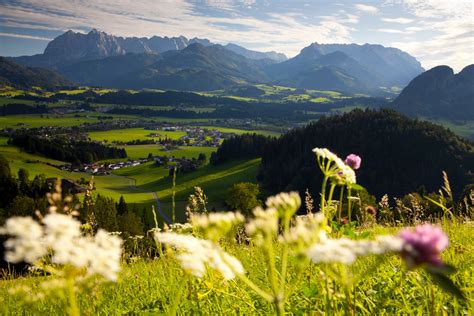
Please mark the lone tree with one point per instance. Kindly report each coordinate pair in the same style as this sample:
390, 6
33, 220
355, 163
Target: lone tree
243, 197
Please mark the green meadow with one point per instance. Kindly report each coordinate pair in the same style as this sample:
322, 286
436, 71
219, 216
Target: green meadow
368, 287
130, 134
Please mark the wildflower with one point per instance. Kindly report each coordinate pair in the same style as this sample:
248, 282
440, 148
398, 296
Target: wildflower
305, 231
106, 252
309, 202
180, 228
264, 225
424, 245
346, 250
194, 254
26, 243
62, 236
216, 225
285, 203
371, 210
333, 167
353, 161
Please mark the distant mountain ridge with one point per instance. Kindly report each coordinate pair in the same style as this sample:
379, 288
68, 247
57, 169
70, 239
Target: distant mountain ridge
72, 47
196, 67
179, 63
354, 68
439, 93
21, 77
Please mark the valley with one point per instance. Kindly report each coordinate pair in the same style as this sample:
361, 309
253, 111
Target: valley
262, 164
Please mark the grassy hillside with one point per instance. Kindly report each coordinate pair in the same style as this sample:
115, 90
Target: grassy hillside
380, 287
136, 184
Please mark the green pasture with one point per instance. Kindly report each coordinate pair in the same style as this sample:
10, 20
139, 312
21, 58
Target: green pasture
142, 151
130, 134
462, 128
5, 100
242, 131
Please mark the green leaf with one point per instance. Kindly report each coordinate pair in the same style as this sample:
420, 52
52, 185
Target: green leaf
445, 283
445, 269
356, 187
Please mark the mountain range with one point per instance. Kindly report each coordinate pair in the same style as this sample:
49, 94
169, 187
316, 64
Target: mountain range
22, 77
440, 94
179, 63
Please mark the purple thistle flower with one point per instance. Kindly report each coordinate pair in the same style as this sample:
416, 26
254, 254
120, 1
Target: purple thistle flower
353, 161
424, 245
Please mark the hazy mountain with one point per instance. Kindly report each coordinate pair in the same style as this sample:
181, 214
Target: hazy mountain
15, 75
196, 67
278, 57
106, 71
439, 93
100, 59
365, 67
396, 66
72, 47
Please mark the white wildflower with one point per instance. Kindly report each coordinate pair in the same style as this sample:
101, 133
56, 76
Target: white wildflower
216, 225
180, 228
346, 250
285, 203
26, 243
333, 166
305, 231
106, 252
194, 254
332, 250
62, 236
263, 225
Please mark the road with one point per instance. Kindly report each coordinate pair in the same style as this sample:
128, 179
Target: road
132, 184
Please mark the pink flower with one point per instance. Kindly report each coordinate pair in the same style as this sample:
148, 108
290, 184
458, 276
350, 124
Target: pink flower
371, 210
353, 161
424, 245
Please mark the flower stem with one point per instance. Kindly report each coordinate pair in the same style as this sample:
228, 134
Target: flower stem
323, 195
73, 308
284, 261
341, 196
349, 204
331, 193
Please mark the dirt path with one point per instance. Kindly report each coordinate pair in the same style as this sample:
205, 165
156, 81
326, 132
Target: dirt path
132, 184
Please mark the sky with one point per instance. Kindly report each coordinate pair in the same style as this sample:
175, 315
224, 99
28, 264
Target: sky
436, 32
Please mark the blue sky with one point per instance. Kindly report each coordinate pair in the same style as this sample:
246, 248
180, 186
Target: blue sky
435, 31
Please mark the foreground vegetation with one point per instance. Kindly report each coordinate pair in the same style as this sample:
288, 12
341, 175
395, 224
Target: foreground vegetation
160, 286
269, 262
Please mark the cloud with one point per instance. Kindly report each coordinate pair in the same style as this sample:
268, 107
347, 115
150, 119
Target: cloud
414, 29
25, 36
449, 25
398, 20
286, 32
394, 31
366, 8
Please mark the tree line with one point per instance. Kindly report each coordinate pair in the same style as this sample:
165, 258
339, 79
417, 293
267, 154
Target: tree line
63, 149
399, 155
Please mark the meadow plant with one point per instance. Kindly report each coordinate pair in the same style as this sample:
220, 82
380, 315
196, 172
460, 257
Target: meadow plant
58, 246
280, 235
197, 202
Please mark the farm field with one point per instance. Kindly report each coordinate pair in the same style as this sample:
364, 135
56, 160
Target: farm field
243, 131
142, 151
161, 287
38, 120
130, 134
